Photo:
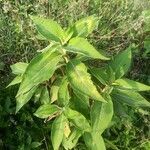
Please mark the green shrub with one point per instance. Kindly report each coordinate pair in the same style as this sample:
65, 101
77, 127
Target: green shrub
78, 99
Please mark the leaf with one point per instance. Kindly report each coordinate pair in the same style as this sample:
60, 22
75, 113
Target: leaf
76, 118
85, 26
57, 131
101, 115
15, 81
121, 63
50, 47
19, 68
67, 130
37, 93
94, 142
40, 69
100, 74
81, 81
54, 90
47, 110
120, 109
105, 75
63, 93
80, 103
131, 85
44, 98
24, 98
82, 46
69, 34
110, 145
49, 29
71, 141
130, 98
35, 144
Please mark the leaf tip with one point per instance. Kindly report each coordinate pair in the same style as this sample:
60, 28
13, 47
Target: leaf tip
18, 107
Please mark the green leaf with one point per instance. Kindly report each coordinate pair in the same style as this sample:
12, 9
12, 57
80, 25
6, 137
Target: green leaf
71, 141
82, 46
67, 130
80, 80
18, 68
15, 81
50, 47
101, 115
120, 109
131, 85
24, 98
44, 98
94, 141
121, 63
100, 74
47, 110
105, 75
69, 34
77, 119
40, 69
54, 90
85, 26
35, 144
37, 93
63, 93
57, 131
130, 98
49, 29
110, 145
80, 103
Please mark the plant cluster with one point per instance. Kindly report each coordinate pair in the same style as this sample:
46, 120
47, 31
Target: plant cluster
77, 98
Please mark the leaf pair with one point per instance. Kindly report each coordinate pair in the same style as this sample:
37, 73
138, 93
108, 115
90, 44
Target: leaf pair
53, 31
58, 129
58, 126
124, 90
76, 33
40, 69
101, 116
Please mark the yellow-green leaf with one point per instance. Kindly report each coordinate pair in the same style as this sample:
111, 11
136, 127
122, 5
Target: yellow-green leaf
80, 80
47, 110
63, 93
100, 74
82, 46
94, 141
57, 131
131, 85
121, 63
15, 81
24, 98
101, 115
84, 26
44, 97
77, 119
71, 141
50, 29
40, 69
54, 90
19, 68
130, 98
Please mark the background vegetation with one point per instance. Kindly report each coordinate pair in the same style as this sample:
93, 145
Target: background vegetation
121, 23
